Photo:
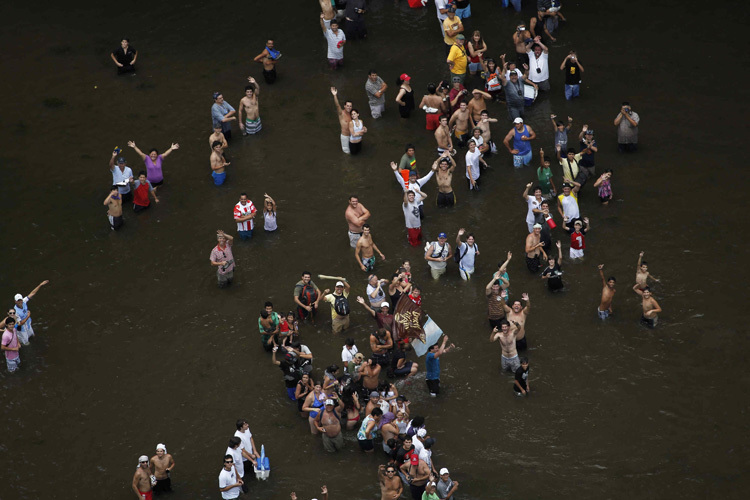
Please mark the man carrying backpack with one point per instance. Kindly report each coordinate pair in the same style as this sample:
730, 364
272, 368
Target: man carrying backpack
339, 305
306, 296
437, 254
466, 253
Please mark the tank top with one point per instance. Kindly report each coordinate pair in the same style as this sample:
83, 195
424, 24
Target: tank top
395, 297
269, 221
317, 403
493, 82
523, 147
357, 128
409, 103
361, 436
474, 59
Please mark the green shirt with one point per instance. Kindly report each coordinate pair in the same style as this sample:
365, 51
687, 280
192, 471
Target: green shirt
276, 319
544, 175
407, 163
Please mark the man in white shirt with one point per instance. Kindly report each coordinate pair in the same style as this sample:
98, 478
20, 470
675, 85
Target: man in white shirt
568, 206
539, 64
230, 484
244, 213
348, 352
234, 450
437, 255
249, 456
122, 176
412, 216
467, 252
534, 205
336, 40
473, 158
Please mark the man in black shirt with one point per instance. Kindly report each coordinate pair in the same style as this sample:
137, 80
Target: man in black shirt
553, 273
521, 384
573, 69
124, 57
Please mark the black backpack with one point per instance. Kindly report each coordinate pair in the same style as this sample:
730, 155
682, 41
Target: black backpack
341, 305
308, 295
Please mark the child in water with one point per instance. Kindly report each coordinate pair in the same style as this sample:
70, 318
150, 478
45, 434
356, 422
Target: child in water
605, 187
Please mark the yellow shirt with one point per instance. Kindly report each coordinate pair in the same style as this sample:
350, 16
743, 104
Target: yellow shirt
457, 55
451, 24
331, 299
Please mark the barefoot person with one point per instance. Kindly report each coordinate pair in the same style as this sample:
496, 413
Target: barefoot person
161, 467
113, 202
608, 293
506, 335
651, 308
269, 57
249, 104
218, 164
364, 253
390, 482
345, 117
518, 314
142, 480
641, 273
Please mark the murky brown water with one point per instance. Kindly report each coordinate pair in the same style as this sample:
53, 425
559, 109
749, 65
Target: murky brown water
136, 345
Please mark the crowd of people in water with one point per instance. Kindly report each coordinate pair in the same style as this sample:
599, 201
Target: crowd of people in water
366, 391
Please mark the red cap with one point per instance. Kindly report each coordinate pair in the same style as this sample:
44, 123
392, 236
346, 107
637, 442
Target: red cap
414, 459
404, 76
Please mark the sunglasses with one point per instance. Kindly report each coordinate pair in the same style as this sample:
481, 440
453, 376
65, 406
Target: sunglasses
228, 461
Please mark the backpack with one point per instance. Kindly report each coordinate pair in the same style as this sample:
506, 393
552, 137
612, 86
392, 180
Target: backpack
308, 294
435, 253
458, 257
341, 305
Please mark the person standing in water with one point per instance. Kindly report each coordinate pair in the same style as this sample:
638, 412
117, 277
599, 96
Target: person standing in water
357, 130
269, 57
249, 104
405, 96
650, 306
345, 116
608, 293
153, 162
269, 214
641, 273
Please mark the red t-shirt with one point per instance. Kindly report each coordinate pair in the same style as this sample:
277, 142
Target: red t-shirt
577, 241
140, 195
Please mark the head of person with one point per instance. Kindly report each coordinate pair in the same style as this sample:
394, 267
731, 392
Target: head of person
444, 474
264, 314
409, 149
410, 196
372, 75
451, 12
415, 291
460, 39
317, 387
456, 81
348, 105
403, 78
234, 442
544, 205
406, 265
484, 115
537, 50
218, 97
142, 176
339, 289
472, 145
122, 163
521, 27
161, 450
517, 306
545, 161
113, 190
444, 163
644, 266
646, 293
374, 397
626, 105
408, 443
242, 425
377, 414
10, 323
443, 123
143, 462
504, 324
222, 239
372, 279
359, 358
330, 405
560, 125
537, 228
334, 25
550, 261
349, 342
384, 307
578, 225
306, 276
491, 65
513, 75
518, 121
217, 145
354, 201
566, 189
442, 238
470, 239
268, 307
333, 369
462, 105
390, 471
355, 114
524, 362
249, 90
495, 286
611, 282
228, 462
412, 176
269, 43
124, 43
476, 38
477, 132
537, 192
243, 199
431, 88
305, 378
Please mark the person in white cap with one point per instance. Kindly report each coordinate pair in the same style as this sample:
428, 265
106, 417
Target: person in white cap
446, 486
161, 467
437, 254
25, 331
142, 482
339, 305
521, 135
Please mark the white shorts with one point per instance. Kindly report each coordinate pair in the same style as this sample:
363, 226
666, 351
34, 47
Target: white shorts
345, 144
465, 272
354, 238
377, 110
576, 254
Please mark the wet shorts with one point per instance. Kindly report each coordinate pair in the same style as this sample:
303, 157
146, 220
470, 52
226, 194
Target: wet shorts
603, 314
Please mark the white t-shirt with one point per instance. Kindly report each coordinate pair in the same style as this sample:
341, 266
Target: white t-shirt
226, 478
247, 444
379, 297
347, 354
411, 214
335, 52
473, 160
467, 254
533, 203
435, 250
441, 4
570, 207
540, 63
237, 456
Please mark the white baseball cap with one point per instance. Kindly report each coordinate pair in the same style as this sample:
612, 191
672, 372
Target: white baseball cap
518, 120
18, 297
444, 471
421, 433
339, 283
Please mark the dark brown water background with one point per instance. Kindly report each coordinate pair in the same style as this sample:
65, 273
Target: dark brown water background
135, 345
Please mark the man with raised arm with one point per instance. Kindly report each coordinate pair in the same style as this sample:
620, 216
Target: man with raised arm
608, 293
345, 117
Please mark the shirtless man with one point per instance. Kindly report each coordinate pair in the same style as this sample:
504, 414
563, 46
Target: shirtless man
370, 372
356, 215
328, 424
431, 103
443, 136
518, 313
217, 136
327, 10
364, 252
345, 117
444, 178
249, 104
650, 307
608, 293
641, 273
161, 466
114, 210
417, 473
484, 125
142, 480
477, 104
459, 123
390, 483
534, 248
507, 337
218, 164
521, 37
269, 57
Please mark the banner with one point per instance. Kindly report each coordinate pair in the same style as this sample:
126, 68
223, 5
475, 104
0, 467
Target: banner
432, 333
408, 319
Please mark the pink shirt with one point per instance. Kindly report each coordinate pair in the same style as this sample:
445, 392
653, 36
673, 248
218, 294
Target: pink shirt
10, 339
153, 170
219, 254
